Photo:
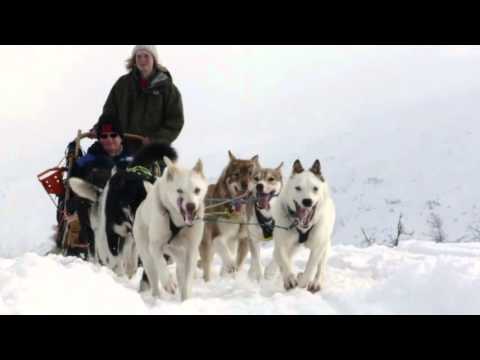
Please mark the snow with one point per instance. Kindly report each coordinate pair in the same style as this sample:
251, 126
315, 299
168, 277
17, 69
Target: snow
393, 126
419, 277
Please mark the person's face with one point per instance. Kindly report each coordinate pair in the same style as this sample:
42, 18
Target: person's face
144, 61
111, 142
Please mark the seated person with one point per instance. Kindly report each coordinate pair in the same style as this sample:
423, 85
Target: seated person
105, 153
95, 167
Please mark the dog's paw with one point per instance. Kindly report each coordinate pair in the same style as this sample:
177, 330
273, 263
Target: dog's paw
290, 282
229, 268
170, 286
314, 286
255, 273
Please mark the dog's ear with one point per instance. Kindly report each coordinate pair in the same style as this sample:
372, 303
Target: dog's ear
317, 170
171, 169
298, 167
279, 167
199, 167
83, 189
168, 162
148, 186
255, 160
231, 156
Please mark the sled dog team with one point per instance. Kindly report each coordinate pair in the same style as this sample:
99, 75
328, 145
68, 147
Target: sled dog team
134, 219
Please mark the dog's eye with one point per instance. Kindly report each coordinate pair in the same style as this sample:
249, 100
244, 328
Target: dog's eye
271, 179
298, 188
256, 178
196, 191
180, 191
315, 189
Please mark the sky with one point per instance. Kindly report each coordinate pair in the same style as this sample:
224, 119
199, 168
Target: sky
232, 89
364, 111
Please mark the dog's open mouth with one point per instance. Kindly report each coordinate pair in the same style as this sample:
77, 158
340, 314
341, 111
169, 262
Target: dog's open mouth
304, 215
237, 205
189, 213
263, 200
239, 200
239, 190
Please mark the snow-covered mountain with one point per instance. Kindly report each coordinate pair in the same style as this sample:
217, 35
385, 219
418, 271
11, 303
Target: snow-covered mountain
393, 126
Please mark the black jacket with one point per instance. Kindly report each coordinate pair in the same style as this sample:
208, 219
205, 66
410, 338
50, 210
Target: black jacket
155, 112
97, 162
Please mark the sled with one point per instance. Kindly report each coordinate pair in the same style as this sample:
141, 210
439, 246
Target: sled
54, 182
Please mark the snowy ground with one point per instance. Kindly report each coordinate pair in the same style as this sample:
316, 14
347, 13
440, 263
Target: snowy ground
417, 278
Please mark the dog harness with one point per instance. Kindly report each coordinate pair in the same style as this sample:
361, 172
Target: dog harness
173, 228
267, 224
303, 237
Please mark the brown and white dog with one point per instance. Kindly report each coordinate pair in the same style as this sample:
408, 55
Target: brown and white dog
267, 186
230, 241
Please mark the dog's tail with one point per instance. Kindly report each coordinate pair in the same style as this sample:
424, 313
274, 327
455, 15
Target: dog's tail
154, 152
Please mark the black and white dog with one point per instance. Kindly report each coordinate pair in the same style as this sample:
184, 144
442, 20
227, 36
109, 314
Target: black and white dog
113, 209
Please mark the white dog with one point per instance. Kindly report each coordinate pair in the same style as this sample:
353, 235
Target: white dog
113, 209
306, 213
166, 223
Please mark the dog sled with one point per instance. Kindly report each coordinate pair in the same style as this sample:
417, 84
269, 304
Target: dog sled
54, 181
68, 238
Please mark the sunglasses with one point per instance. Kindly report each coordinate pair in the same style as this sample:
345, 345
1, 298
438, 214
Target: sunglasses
106, 136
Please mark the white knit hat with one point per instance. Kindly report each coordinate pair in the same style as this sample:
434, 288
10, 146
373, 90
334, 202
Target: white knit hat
150, 48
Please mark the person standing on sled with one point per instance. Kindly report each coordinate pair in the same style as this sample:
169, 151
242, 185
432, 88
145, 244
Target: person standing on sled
95, 167
146, 101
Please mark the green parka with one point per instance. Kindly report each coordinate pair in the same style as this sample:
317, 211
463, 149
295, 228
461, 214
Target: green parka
155, 112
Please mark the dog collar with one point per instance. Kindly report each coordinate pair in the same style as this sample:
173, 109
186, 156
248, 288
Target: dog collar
291, 212
174, 229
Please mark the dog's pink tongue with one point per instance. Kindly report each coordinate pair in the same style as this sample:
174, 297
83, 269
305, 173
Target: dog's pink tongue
189, 218
263, 201
237, 206
303, 215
